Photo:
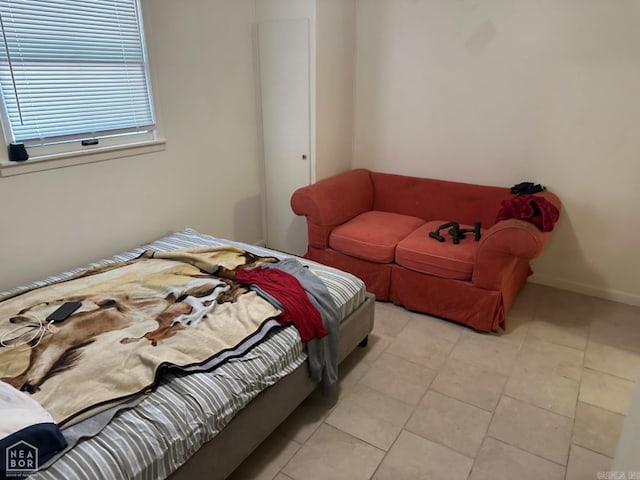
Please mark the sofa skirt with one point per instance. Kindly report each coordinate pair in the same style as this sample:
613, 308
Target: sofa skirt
376, 276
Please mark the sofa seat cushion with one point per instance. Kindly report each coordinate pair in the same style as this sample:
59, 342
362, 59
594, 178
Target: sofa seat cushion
373, 235
421, 253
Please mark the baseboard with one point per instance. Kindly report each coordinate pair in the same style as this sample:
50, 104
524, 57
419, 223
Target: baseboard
583, 288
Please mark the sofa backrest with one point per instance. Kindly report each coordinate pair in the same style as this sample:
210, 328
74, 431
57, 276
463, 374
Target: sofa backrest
432, 199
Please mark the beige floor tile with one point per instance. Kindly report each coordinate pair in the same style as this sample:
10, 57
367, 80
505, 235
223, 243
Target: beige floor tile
617, 325
526, 301
562, 306
585, 464
618, 313
413, 457
470, 383
306, 419
612, 360
350, 372
544, 390
538, 363
267, 460
515, 335
575, 317
606, 391
532, 429
452, 423
376, 347
517, 323
399, 378
548, 358
282, 476
444, 329
331, 453
371, 416
390, 319
421, 348
614, 334
570, 334
497, 461
485, 352
534, 289
597, 429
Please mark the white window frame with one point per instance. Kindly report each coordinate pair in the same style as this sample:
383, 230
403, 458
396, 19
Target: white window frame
72, 152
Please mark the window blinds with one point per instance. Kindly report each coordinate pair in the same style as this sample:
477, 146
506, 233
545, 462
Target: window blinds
73, 69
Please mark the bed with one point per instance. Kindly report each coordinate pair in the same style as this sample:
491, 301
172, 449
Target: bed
205, 424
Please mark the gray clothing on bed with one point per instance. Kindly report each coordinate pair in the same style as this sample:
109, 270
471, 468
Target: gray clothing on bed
323, 352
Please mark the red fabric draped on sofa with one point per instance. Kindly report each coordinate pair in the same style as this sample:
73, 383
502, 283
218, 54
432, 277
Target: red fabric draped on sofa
375, 225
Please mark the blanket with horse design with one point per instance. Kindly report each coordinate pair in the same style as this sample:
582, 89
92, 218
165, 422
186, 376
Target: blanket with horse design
136, 318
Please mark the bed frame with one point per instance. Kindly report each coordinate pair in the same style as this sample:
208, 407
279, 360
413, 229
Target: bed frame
220, 456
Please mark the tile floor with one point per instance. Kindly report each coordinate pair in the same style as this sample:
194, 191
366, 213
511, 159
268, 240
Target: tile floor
429, 399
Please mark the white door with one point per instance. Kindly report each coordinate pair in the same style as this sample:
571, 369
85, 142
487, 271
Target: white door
284, 82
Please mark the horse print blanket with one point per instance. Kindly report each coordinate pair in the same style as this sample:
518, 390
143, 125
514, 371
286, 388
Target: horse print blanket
180, 309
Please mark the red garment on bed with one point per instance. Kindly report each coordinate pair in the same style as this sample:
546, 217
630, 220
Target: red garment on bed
287, 290
532, 208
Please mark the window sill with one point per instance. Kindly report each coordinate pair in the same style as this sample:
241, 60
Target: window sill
90, 155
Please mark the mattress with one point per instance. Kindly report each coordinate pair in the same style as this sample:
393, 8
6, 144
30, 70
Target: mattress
161, 433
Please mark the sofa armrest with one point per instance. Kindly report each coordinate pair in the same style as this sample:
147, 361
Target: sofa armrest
502, 246
331, 202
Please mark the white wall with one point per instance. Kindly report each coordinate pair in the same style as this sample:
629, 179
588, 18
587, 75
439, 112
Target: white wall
500, 91
336, 20
201, 55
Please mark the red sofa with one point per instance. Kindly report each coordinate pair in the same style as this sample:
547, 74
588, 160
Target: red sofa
376, 225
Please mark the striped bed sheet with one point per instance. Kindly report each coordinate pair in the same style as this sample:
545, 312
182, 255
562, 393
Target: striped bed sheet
156, 437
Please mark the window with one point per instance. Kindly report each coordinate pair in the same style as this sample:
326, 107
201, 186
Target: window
74, 70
